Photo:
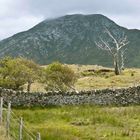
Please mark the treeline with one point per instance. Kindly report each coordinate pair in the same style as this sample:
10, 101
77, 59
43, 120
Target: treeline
16, 72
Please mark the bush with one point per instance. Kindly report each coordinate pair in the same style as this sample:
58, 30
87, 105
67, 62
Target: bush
15, 72
59, 77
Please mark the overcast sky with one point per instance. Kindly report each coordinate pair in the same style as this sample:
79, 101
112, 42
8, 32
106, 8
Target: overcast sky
20, 15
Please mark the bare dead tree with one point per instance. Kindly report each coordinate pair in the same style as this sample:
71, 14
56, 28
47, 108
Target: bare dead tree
123, 59
113, 45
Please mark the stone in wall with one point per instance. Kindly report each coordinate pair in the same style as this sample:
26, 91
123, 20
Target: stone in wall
124, 96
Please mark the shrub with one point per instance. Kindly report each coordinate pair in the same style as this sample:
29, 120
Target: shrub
59, 77
15, 72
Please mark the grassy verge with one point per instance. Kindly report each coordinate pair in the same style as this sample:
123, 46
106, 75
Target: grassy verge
84, 122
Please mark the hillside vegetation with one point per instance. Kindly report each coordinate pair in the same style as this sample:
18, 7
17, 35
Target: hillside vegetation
71, 39
56, 76
97, 77
81, 122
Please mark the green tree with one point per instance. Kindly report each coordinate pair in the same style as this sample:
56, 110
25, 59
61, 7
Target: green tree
15, 72
33, 71
59, 77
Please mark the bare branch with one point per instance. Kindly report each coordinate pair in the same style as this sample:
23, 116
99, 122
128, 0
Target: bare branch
109, 33
123, 58
124, 44
121, 42
104, 46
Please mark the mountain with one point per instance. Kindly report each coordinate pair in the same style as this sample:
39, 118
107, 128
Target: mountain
70, 39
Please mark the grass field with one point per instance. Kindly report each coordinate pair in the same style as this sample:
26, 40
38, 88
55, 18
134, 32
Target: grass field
98, 79
84, 122
3, 133
88, 122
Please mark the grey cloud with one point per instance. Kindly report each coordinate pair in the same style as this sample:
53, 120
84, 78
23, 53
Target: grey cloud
20, 15
56, 7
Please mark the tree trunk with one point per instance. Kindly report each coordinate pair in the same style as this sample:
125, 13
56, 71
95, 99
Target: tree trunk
29, 86
116, 65
117, 70
122, 60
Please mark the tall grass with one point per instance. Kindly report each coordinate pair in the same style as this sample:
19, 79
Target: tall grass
84, 122
3, 134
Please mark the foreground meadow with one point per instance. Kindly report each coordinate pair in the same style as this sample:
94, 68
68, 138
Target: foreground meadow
3, 134
84, 122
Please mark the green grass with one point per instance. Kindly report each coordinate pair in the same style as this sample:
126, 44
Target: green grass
83, 122
3, 134
87, 122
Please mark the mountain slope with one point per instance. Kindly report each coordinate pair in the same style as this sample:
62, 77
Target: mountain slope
70, 39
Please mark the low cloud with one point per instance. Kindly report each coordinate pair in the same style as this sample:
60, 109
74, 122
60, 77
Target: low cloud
20, 15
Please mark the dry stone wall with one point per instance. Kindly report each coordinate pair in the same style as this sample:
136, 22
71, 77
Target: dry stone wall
124, 96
